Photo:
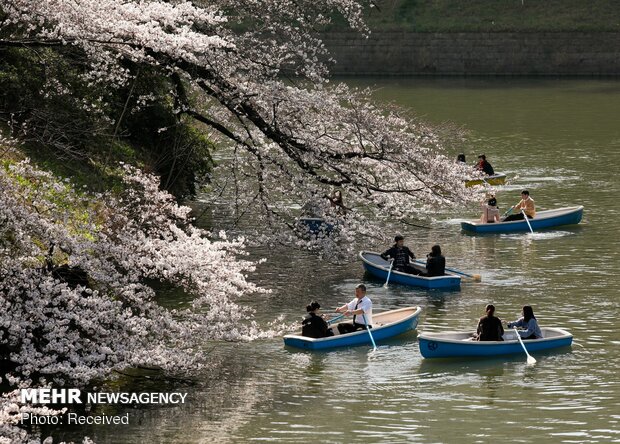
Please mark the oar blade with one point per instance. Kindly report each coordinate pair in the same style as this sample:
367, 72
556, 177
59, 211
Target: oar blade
531, 360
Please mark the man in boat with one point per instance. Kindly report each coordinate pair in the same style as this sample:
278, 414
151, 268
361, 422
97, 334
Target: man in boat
400, 255
526, 204
484, 166
361, 310
489, 327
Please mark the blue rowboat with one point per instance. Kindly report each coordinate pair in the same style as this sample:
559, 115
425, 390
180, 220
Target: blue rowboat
314, 226
460, 344
379, 267
495, 179
385, 325
544, 219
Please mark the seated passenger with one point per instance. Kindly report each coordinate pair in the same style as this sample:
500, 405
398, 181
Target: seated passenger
314, 326
528, 323
401, 254
435, 262
490, 213
489, 327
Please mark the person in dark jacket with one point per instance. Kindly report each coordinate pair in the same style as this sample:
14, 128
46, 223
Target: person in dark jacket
484, 166
314, 326
435, 262
401, 255
489, 327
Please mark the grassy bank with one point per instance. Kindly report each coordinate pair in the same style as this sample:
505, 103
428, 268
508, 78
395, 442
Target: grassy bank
495, 15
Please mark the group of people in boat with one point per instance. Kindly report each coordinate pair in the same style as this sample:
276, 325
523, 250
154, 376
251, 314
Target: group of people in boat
490, 327
401, 257
360, 309
490, 211
482, 164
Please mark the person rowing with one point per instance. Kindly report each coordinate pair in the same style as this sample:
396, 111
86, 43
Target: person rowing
401, 256
526, 205
484, 166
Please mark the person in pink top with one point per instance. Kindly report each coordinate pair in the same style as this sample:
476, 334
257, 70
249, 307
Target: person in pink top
490, 213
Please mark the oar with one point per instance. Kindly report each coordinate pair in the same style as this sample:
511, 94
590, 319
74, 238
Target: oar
527, 220
475, 277
370, 334
507, 213
530, 359
389, 272
334, 319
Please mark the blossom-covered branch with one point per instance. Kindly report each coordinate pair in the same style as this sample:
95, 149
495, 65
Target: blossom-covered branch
256, 74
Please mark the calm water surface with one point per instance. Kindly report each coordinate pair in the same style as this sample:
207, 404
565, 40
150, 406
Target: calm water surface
558, 138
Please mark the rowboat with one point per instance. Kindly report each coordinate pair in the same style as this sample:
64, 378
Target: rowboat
314, 226
379, 267
495, 179
387, 324
544, 219
460, 344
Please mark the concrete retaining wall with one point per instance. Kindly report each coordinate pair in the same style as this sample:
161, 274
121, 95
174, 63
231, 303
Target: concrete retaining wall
516, 54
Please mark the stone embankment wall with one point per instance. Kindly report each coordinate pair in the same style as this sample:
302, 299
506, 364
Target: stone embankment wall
513, 54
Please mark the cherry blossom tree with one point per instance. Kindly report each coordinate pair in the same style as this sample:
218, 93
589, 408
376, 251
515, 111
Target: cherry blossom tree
76, 273
255, 75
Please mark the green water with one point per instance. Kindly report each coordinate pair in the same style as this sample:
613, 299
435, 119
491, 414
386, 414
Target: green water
558, 138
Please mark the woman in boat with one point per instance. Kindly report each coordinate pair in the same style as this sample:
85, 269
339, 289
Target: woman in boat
528, 323
435, 262
314, 326
526, 204
337, 204
490, 213
489, 327
460, 158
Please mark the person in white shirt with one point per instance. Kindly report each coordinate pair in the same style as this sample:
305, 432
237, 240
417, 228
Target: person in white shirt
361, 310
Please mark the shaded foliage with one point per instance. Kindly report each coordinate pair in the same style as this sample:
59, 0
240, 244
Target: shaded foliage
79, 127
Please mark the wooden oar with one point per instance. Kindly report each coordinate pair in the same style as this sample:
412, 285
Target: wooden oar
475, 277
530, 359
389, 272
370, 334
527, 220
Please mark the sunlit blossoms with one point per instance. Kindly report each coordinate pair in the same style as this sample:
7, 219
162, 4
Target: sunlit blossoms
255, 74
